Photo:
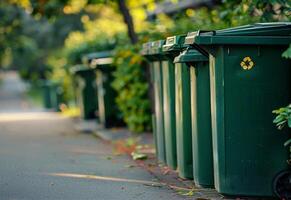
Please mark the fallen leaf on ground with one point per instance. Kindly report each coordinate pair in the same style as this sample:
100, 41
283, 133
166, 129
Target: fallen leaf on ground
153, 185
166, 172
186, 193
129, 166
138, 156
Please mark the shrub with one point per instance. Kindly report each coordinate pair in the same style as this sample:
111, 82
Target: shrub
283, 117
132, 88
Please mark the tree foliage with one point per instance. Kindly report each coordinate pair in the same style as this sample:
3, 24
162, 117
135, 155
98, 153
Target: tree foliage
132, 88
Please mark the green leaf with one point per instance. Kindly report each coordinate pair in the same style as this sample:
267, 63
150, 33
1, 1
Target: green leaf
138, 156
287, 53
287, 143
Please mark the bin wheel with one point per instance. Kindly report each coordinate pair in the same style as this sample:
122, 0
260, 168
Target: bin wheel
282, 185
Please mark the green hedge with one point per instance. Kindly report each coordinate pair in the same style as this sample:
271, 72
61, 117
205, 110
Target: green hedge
132, 88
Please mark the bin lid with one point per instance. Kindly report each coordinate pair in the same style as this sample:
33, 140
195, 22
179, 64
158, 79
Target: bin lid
101, 61
190, 55
79, 69
101, 58
259, 33
174, 43
87, 58
156, 47
145, 48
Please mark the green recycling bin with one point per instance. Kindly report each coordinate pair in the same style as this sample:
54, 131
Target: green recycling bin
108, 112
183, 120
145, 51
171, 49
248, 78
52, 94
85, 85
46, 91
154, 53
200, 116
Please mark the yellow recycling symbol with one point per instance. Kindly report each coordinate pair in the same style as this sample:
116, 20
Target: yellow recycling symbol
247, 63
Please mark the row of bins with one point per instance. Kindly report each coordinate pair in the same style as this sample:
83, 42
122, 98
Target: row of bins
214, 94
93, 91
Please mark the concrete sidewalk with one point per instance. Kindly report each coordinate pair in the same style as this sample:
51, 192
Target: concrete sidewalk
43, 157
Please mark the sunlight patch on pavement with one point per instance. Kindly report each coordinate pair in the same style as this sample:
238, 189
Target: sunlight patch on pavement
86, 151
105, 178
114, 179
24, 116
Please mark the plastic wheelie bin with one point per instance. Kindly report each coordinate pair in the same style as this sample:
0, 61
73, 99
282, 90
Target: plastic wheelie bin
154, 55
46, 91
200, 116
145, 52
52, 94
85, 85
171, 49
248, 78
108, 112
183, 120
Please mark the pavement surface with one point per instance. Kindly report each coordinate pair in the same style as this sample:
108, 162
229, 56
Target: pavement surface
43, 157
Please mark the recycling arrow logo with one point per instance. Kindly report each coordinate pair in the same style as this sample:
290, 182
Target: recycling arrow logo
247, 63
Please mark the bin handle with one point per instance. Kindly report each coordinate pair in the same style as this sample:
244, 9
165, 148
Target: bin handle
205, 31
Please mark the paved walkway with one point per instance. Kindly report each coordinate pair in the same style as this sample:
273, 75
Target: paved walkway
42, 157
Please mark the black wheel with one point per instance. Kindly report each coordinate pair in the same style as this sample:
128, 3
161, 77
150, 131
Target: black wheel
282, 185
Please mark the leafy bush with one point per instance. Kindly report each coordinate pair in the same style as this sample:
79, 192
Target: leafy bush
283, 117
284, 114
132, 88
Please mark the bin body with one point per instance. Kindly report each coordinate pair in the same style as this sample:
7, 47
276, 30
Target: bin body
200, 116
248, 78
201, 125
47, 100
183, 121
153, 52
171, 49
168, 71
52, 94
86, 91
89, 96
79, 85
159, 114
108, 113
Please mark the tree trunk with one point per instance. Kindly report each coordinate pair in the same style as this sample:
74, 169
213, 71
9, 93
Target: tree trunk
128, 20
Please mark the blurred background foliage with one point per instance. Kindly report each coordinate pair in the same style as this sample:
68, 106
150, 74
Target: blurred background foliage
42, 39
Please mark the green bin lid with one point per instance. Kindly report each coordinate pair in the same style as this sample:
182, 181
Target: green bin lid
101, 58
174, 43
79, 69
259, 33
156, 47
145, 48
190, 55
87, 58
101, 61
